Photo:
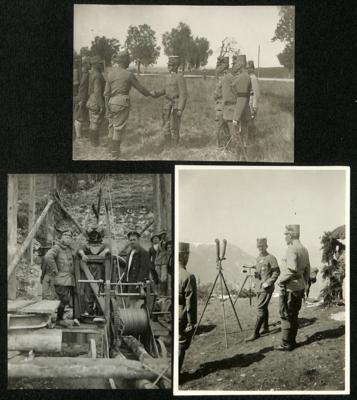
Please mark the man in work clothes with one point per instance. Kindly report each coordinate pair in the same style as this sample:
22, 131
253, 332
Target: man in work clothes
293, 283
222, 130
187, 302
175, 92
267, 272
81, 112
59, 261
117, 100
95, 103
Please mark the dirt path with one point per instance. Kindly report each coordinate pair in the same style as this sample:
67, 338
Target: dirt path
317, 364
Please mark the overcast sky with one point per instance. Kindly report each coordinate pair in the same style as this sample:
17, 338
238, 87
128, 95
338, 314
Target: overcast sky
242, 205
249, 25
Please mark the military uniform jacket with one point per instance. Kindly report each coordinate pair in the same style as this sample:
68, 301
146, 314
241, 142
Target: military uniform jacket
268, 272
59, 260
217, 96
175, 91
296, 274
241, 87
118, 85
254, 93
187, 298
83, 87
95, 91
139, 269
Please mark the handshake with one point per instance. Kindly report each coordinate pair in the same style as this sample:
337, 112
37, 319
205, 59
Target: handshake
155, 94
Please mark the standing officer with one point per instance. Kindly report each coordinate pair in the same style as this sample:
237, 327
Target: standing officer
241, 87
222, 130
117, 100
293, 283
59, 261
95, 103
187, 302
81, 112
255, 92
175, 92
267, 272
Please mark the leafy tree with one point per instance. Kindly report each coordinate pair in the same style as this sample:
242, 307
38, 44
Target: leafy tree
285, 33
105, 48
141, 42
229, 46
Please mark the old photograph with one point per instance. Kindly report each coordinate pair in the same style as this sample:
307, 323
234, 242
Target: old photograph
262, 291
165, 82
90, 275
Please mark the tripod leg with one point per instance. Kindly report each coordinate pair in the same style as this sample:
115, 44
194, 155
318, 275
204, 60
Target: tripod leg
224, 311
204, 309
232, 304
245, 280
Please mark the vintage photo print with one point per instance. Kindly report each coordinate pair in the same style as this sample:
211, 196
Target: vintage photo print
262, 298
90, 274
165, 82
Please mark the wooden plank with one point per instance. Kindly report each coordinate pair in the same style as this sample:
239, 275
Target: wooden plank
12, 195
42, 307
16, 305
31, 212
39, 340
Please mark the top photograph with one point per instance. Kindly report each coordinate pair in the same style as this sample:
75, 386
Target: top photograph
183, 83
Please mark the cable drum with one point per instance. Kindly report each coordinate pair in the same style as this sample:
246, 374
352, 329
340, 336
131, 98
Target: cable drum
136, 320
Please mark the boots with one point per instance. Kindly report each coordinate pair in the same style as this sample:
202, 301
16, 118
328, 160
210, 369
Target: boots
181, 358
265, 324
255, 335
60, 312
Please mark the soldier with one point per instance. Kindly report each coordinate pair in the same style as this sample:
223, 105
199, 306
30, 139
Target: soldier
95, 103
81, 112
267, 272
175, 92
222, 130
59, 261
293, 283
117, 100
187, 302
255, 92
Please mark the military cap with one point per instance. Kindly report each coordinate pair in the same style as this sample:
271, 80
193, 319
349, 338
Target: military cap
154, 235
293, 230
174, 60
240, 59
250, 64
168, 243
133, 233
95, 60
95, 236
184, 247
159, 234
262, 242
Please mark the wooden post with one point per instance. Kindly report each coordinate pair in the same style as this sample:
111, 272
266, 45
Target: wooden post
11, 231
258, 61
50, 219
31, 212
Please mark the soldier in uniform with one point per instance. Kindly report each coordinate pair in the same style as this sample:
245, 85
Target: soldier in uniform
187, 302
175, 92
95, 103
59, 261
222, 130
117, 100
293, 283
267, 272
255, 92
81, 112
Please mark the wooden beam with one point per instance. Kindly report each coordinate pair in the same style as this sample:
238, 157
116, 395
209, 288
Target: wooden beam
20, 252
80, 367
12, 190
31, 212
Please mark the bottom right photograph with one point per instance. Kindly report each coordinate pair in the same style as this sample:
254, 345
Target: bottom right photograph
261, 280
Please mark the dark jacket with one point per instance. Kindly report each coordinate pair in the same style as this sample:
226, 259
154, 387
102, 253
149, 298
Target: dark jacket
140, 266
60, 264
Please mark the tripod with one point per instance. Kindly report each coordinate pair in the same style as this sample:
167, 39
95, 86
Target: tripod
222, 281
249, 277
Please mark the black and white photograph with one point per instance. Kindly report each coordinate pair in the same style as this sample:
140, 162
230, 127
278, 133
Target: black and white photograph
198, 83
90, 275
262, 298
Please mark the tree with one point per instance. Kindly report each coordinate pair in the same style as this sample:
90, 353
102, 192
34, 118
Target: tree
141, 42
285, 33
229, 46
194, 52
85, 52
105, 48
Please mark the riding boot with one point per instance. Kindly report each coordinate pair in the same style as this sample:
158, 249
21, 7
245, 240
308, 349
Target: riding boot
181, 358
266, 323
255, 335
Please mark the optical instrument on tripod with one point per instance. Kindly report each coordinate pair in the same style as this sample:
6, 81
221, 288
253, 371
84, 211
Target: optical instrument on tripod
250, 278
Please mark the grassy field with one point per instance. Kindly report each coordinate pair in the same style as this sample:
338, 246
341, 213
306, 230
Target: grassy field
272, 141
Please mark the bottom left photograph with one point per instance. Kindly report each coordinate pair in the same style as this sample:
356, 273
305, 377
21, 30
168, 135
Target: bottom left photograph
90, 281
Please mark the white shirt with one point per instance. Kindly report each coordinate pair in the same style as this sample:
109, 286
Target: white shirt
129, 263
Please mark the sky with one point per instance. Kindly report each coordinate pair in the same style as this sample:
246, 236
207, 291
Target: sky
249, 25
242, 205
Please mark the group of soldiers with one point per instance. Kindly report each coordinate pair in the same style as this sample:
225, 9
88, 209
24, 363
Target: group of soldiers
95, 98
294, 282
236, 103
137, 265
